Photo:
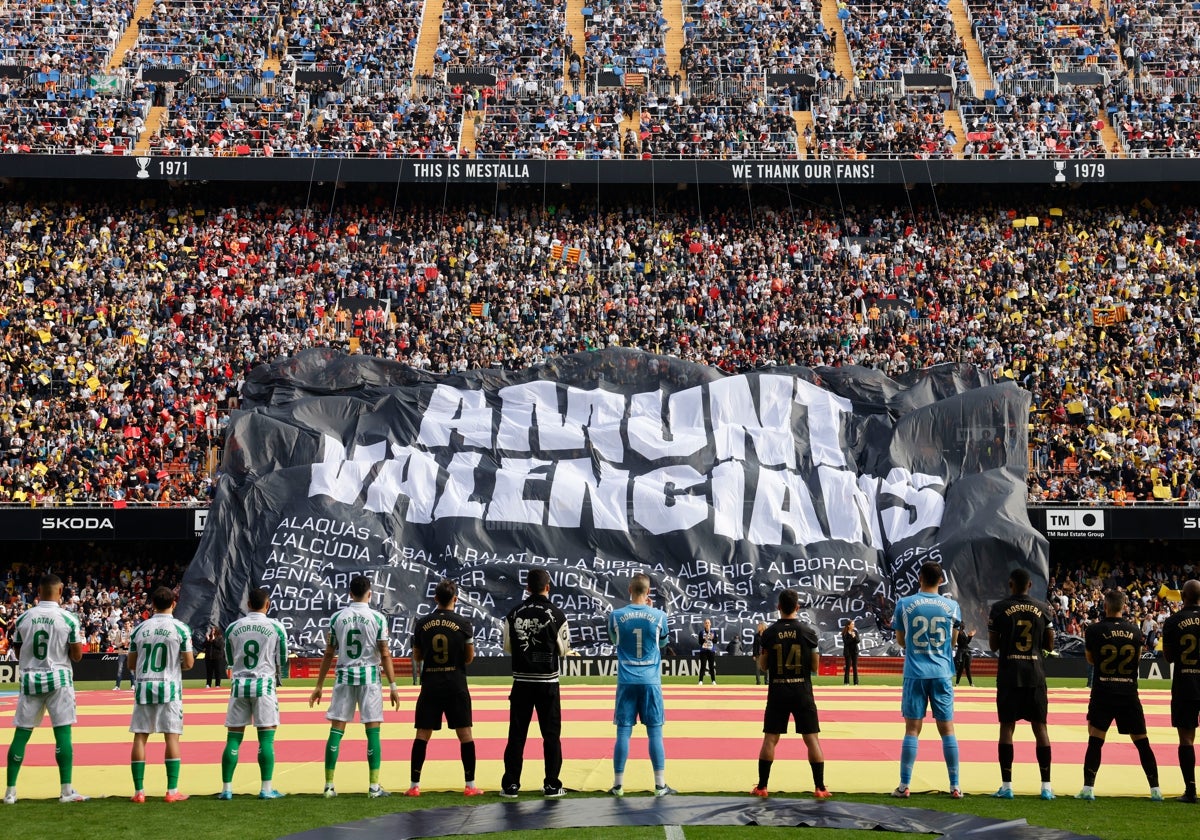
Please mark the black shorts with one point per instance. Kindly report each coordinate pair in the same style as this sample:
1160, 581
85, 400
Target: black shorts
1015, 703
1185, 712
1126, 711
786, 701
435, 701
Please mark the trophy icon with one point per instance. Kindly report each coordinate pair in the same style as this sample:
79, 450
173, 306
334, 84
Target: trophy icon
143, 164
1060, 167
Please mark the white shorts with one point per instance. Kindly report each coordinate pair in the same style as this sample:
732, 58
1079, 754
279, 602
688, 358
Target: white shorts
149, 718
60, 703
257, 711
368, 699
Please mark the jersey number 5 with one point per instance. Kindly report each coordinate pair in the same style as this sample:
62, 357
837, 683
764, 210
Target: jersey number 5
929, 634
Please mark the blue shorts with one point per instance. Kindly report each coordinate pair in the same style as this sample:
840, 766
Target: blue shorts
936, 692
639, 701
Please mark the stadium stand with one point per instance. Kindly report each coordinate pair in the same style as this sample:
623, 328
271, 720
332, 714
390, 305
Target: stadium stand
110, 594
1067, 123
171, 77
889, 39
1076, 594
95, 409
1031, 41
120, 393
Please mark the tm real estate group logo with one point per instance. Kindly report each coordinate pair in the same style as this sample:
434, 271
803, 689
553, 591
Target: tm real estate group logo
1075, 523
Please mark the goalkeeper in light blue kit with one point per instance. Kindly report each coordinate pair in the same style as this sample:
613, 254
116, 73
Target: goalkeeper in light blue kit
639, 633
256, 650
924, 625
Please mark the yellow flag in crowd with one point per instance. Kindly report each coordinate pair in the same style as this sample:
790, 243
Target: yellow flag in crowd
1169, 594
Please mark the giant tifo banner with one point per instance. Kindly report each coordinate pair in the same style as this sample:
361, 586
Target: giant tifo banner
837, 482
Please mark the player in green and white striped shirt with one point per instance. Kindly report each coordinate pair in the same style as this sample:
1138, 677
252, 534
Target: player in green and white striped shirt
358, 637
47, 639
256, 650
159, 652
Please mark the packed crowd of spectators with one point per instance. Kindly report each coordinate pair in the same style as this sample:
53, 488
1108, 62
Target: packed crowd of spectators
1043, 125
526, 38
519, 57
204, 37
747, 37
79, 37
1027, 40
69, 122
356, 39
110, 593
627, 37
890, 38
1076, 595
127, 327
704, 127
570, 127
909, 127
1158, 126
1159, 37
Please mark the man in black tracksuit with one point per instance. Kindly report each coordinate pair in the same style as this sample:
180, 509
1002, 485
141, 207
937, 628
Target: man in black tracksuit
536, 634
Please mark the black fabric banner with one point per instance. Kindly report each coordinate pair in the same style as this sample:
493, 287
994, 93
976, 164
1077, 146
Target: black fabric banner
837, 482
682, 811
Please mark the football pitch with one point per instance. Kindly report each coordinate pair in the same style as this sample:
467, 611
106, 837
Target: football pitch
712, 737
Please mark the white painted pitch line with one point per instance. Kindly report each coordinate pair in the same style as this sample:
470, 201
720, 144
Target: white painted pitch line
674, 832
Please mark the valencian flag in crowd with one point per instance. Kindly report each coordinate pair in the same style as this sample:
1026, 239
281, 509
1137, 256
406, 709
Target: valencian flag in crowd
837, 482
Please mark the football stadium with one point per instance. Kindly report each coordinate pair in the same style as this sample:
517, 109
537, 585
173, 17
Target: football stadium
792, 407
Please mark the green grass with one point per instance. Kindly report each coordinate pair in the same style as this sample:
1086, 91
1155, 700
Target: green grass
984, 682
248, 819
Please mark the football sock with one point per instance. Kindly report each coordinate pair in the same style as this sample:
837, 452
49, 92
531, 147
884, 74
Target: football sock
331, 753
467, 751
266, 755
417, 760
1187, 765
908, 757
173, 765
764, 772
16, 753
64, 753
950, 754
658, 755
621, 748
1149, 763
229, 758
1005, 753
818, 771
374, 755
1043, 760
1091, 761
139, 774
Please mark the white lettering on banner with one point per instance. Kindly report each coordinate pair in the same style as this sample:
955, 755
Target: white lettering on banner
508, 498
784, 431
766, 460
576, 482
660, 505
679, 434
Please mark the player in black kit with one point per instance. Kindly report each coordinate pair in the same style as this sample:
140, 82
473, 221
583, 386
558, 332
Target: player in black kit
1019, 630
536, 634
1113, 647
444, 643
790, 656
1181, 647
